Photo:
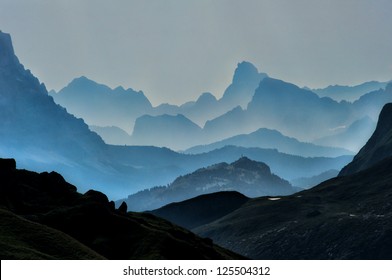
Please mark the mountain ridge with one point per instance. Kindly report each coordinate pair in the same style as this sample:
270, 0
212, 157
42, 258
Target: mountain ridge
246, 176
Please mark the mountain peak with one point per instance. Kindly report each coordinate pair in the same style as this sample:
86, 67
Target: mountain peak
206, 97
8, 58
245, 71
246, 163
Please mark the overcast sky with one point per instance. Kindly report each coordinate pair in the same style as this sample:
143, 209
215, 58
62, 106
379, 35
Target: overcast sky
174, 50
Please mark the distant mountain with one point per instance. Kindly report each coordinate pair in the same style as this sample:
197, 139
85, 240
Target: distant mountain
272, 139
41, 135
379, 145
204, 108
231, 123
202, 209
352, 137
246, 176
112, 135
371, 103
100, 105
296, 112
349, 93
85, 226
245, 81
176, 132
306, 183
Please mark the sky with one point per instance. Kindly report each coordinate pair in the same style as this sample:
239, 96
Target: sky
174, 50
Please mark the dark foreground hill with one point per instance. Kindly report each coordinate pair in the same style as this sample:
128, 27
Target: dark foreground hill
202, 209
44, 217
343, 218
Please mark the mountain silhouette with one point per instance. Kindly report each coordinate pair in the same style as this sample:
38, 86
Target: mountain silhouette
246, 176
349, 93
202, 209
176, 132
295, 112
112, 135
245, 81
100, 105
272, 139
86, 226
42, 136
378, 147
352, 138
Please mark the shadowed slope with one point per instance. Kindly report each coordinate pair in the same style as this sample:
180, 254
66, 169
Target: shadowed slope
92, 220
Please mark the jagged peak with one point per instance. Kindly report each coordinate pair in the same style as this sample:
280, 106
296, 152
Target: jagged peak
206, 96
7, 54
244, 71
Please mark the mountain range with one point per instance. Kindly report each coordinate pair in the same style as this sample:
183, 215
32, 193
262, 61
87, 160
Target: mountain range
246, 176
349, 93
42, 135
272, 139
100, 105
347, 217
251, 102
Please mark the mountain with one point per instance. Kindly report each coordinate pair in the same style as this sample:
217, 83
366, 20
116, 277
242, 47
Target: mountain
112, 135
100, 105
202, 209
306, 183
378, 147
204, 108
347, 217
296, 112
352, 137
372, 102
42, 136
349, 93
245, 81
272, 139
239, 93
175, 132
343, 218
88, 224
246, 176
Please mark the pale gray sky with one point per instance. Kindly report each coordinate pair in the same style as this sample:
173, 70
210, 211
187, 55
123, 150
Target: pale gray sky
174, 50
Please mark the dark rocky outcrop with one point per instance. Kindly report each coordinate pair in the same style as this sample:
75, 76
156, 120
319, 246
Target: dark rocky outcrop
85, 226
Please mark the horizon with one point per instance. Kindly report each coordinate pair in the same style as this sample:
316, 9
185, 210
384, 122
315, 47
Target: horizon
174, 51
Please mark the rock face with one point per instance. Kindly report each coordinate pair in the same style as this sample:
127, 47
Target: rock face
67, 224
246, 176
379, 145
